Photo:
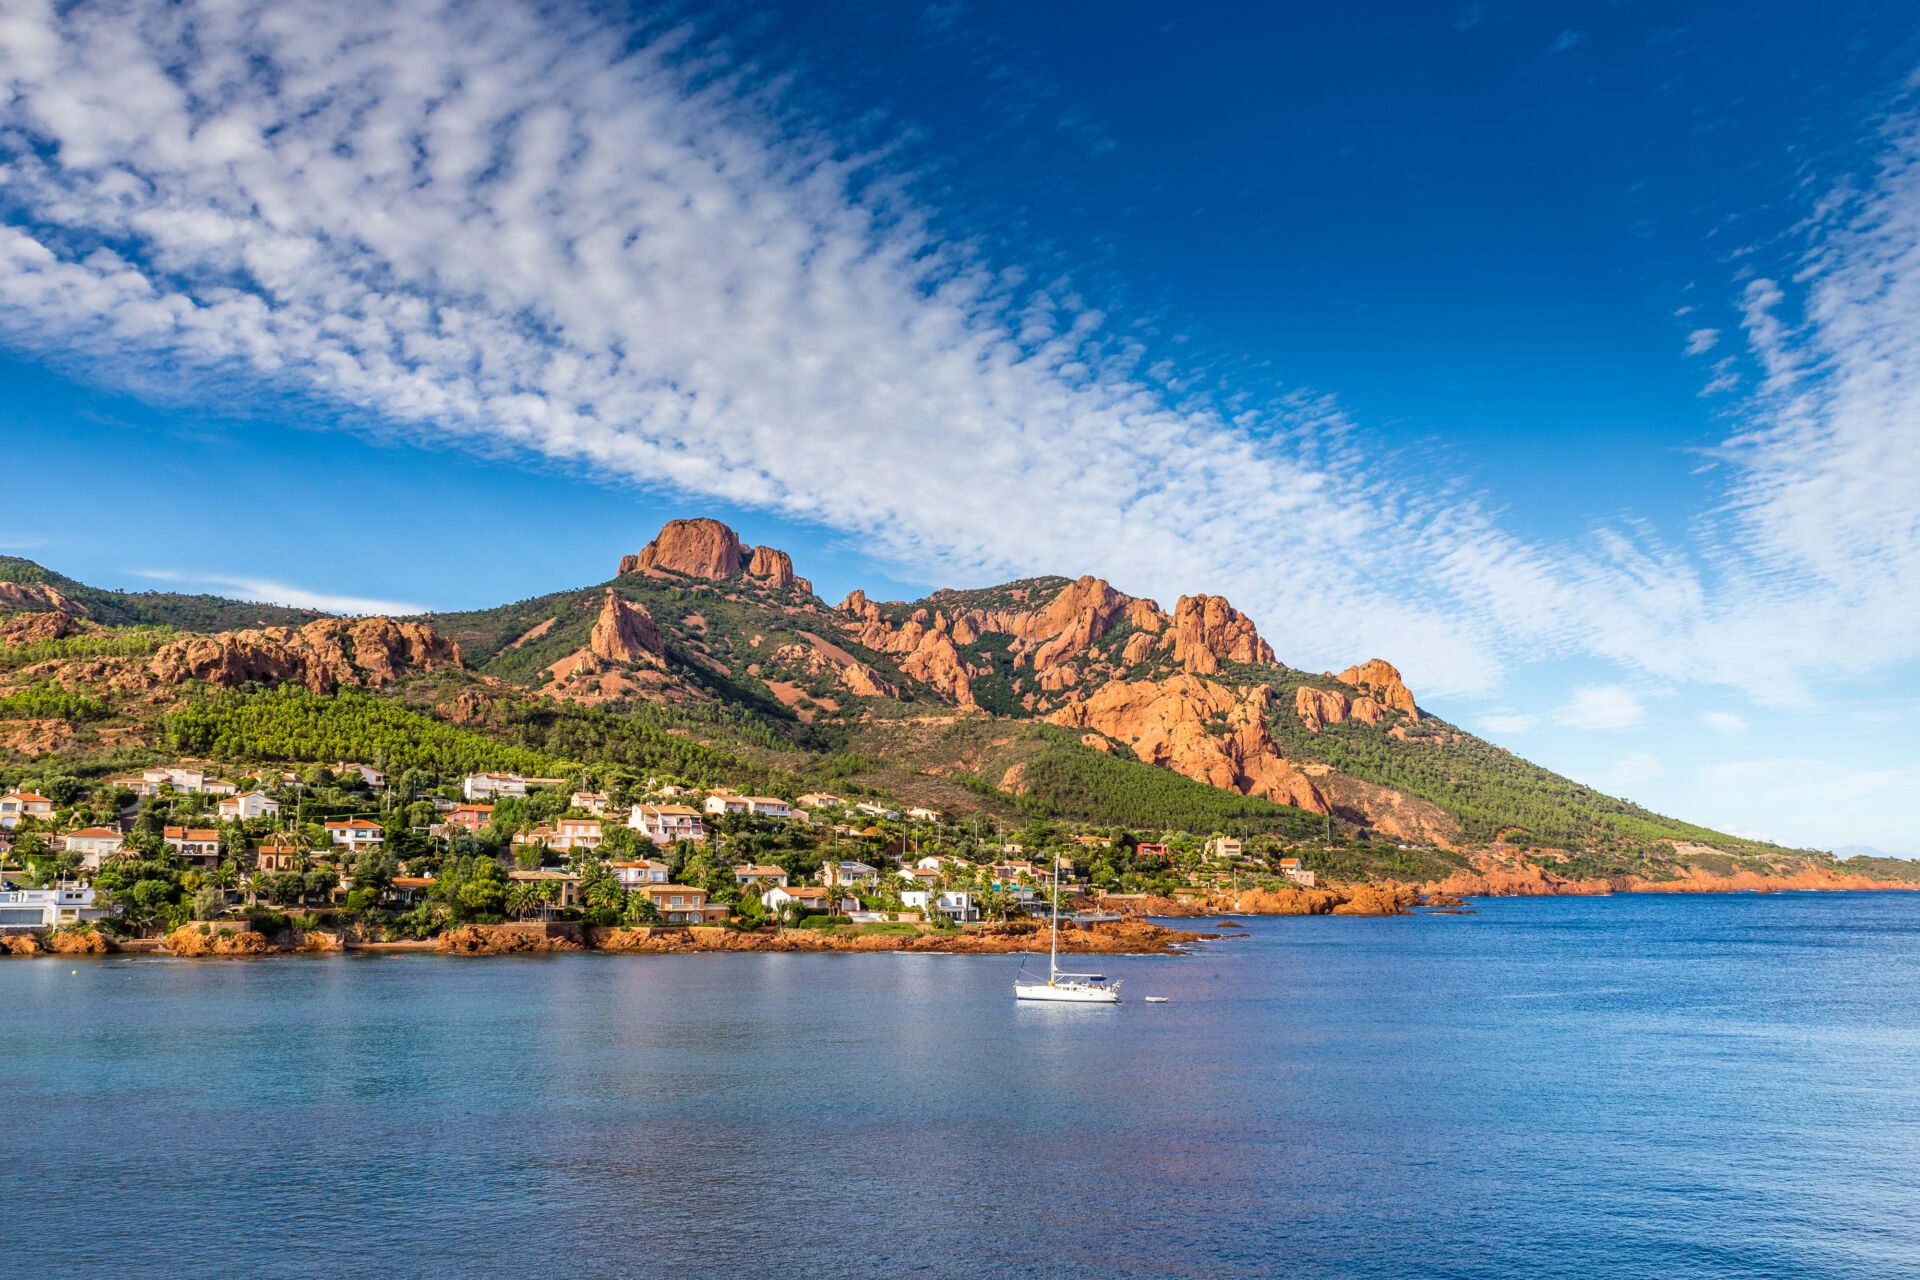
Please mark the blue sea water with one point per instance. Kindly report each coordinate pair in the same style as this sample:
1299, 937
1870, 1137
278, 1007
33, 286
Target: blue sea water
1632, 1086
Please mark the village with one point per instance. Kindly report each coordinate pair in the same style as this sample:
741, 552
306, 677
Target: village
408, 857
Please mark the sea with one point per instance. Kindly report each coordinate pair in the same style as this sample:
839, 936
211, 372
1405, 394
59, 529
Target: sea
1711, 1085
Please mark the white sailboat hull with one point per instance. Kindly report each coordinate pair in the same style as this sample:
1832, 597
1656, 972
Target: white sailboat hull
1065, 993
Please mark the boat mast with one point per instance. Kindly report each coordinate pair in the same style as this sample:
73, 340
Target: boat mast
1053, 951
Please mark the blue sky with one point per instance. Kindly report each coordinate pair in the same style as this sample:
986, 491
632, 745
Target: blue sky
1564, 356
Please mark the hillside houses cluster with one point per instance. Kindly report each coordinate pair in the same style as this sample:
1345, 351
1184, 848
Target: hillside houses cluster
270, 836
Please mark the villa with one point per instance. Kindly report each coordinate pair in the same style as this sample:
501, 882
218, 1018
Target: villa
639, 872
355, 833
843, 873
64, 903
683, 904
198, 845
810, 899
247, 806
666, 824
490, 786
759, 874
92, 844
16, 805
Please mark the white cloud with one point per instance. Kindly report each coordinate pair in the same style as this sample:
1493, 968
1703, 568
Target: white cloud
1602, 706
267, 591
1565, 41
529, 231
1701, 341
1723, 721
1508, 722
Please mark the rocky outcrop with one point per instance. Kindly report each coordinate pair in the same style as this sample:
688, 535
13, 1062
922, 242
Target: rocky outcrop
81, 941
1073, 620
625, 633
325, 655
861, 680
708, 549
508, 939
199, 940
1124, 937
37, 597
27, 628
1318, 708
1209, 632
1381, 679
1200, 729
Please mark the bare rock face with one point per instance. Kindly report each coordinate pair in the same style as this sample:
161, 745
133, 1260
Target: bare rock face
625, 633
1318, 708
37, 597
26, 628
775, 568
325, 655
862, 681
1169, 723
1208, 631
1382, 680
703, 548
699, 548
1073, 620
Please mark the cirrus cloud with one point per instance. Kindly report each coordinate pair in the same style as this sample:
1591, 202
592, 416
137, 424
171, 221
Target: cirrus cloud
519, 230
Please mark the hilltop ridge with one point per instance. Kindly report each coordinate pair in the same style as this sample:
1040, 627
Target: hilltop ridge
1048, 694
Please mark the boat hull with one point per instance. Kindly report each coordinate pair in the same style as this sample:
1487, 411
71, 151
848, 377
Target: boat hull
1063, 993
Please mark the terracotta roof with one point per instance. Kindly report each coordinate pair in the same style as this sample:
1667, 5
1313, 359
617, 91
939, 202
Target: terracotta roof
758, 871
648, 863
31, 797
95, 833
353, 823
190, 833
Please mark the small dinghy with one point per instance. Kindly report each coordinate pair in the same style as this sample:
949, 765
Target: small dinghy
1157, 999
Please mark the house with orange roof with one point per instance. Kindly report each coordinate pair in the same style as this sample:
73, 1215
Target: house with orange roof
639, 872
683, 904
666, 824
16, 805
355, 833
198, 845
277, 855
759, 874
92, 844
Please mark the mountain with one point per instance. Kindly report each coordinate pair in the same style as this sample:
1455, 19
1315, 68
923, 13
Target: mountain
713, 660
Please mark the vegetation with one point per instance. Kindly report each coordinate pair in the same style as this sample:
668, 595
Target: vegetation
293, 723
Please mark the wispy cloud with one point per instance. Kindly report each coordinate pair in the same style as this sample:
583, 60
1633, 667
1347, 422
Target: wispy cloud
1565, 41
533, 230
1602, 706
267, 591
1508, 722
1724, 721
1701, 341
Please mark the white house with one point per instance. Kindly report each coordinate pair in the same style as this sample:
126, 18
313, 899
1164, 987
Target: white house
65, 903
924, 815
355, 833
639, 873
723, 802
247, 806
92, 844
943, 862
375, 780
1292, 870
565, 835
488, 786
819, 800
955, 904
809, 899
768, 807
843, 873
876, 811
16, 805
594, 802
666, 824
184, 778
759, 875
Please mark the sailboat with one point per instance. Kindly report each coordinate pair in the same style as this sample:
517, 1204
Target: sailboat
1064, 988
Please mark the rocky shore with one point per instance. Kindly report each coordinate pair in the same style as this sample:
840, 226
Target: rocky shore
1125, 937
